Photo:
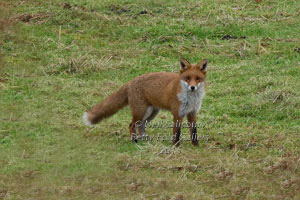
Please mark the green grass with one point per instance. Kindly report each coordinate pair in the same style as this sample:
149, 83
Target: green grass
56, 61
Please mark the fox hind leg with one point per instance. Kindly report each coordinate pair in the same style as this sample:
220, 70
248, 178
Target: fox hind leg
153, 114
150, 115
138, 110
132, 130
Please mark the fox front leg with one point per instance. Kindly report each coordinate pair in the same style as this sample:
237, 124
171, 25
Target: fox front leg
193, 128
177, 130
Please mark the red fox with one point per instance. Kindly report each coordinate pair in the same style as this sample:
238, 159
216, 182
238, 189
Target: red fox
181, 93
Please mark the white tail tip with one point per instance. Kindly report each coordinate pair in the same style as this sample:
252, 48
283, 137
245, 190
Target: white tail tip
86, 120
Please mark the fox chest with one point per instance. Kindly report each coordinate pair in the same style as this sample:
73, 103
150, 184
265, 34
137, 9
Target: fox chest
191, 101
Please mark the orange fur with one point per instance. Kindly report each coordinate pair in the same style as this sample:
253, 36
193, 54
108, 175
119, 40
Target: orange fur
148, 93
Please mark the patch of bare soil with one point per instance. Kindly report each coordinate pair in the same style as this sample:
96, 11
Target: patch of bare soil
38, 18
4, 23
2, 193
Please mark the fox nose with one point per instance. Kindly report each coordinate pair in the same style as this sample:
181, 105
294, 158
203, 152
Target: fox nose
192, 88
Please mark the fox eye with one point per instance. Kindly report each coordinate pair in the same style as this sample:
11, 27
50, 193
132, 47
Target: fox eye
198, 78
187, 78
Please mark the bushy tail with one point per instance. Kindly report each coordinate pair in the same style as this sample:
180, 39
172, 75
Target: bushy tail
109, 106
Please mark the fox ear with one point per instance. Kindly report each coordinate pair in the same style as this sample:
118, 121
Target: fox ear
184, 64
202, 65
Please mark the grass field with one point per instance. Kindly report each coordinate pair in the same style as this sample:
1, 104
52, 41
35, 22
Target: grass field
59, 58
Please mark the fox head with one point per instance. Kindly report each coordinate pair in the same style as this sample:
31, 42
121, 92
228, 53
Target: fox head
192, 76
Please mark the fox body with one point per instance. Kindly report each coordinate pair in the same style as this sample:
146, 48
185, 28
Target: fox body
181, 93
